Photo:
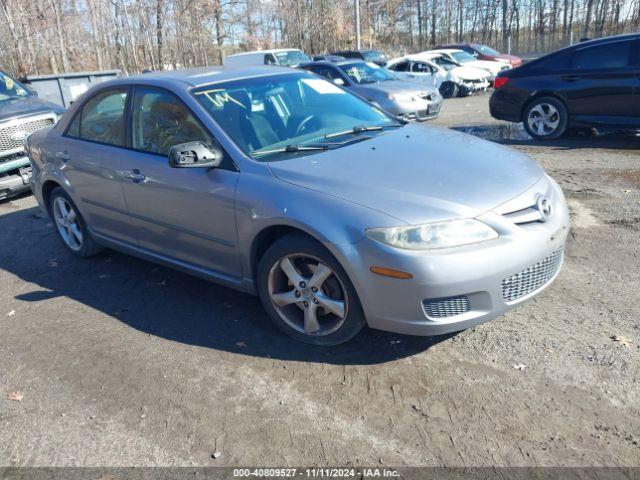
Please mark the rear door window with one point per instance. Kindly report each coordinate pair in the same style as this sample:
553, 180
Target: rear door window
601, 57
102, 118
400, 67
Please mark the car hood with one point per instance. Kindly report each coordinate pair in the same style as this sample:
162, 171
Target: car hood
469, 73
489, 65
416, 174
30, 105
373, 90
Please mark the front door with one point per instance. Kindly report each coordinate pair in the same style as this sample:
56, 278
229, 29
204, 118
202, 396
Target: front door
184, 214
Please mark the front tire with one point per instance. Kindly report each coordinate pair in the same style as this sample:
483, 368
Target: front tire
448, 90
546, 118
71, 227
306, 292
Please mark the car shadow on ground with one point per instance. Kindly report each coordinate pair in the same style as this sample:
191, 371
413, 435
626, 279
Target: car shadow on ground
514, 134
168, 304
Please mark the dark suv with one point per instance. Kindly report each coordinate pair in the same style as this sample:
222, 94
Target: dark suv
591, 84
21, 113
374, 56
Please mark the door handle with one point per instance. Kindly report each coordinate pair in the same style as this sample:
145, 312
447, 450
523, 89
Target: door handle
64, 156
570, 78
134, 175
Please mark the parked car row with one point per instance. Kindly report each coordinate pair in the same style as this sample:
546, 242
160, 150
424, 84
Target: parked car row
453, 71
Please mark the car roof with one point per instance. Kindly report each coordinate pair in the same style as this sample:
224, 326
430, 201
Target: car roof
444, 50
195, 77
613, 38
416, 57
346, 61
272, 50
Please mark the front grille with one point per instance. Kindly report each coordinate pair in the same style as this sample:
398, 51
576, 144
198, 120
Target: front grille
25, 126
446, 307
531, 278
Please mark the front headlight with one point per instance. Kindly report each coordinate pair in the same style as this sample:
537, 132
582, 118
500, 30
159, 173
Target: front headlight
430, 236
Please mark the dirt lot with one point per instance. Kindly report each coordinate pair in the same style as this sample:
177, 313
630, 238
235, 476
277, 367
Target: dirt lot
124, 363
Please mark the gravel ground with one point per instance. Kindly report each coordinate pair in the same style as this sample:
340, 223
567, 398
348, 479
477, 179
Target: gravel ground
119, 362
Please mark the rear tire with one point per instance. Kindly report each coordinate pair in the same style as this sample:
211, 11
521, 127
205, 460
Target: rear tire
306, 292
545, 118
449, 90
70, 226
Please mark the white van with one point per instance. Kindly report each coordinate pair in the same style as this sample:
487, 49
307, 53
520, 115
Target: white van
288, 57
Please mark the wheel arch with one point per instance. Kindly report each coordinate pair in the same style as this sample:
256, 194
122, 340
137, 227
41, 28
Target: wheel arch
47, 187
267, 237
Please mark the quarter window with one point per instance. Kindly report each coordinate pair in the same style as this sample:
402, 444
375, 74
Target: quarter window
609, 55
102, 118
161, 121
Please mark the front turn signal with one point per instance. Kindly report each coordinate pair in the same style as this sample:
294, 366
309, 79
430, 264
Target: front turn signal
389, 272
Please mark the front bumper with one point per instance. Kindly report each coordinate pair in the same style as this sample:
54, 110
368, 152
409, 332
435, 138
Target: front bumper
420, 110
15, 177
457, 288
474, 86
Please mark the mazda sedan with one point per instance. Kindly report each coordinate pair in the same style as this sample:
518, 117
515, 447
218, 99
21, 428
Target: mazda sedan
276, 182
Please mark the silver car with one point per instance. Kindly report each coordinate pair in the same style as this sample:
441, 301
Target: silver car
402, 99
276, 182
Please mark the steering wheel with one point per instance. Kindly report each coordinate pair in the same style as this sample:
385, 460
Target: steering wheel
305, 123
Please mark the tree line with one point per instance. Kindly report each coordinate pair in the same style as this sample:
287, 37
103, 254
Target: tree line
52, 36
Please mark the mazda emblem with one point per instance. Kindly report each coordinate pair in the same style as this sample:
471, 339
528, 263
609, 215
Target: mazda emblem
544, 207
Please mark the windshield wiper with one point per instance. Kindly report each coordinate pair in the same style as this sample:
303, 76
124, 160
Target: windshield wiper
291, 149
358, 129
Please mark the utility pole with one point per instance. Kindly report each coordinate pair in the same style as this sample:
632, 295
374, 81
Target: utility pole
357, 8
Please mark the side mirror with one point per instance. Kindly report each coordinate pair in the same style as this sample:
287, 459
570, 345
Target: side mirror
194, 155
338, 81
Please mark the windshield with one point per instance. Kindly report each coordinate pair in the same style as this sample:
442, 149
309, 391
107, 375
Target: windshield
445, 63
291, 58
10, 88
462, 57
486, 50
267, 113
363, 73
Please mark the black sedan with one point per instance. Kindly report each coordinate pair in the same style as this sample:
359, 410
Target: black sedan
592, 84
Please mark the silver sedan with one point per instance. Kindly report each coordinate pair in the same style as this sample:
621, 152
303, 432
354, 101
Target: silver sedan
276, 182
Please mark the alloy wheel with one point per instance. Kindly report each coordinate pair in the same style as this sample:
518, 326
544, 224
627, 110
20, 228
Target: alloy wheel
543, 119
66, 220
307, 294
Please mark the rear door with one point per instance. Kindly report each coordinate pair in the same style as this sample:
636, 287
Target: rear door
600, 82
90, 152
